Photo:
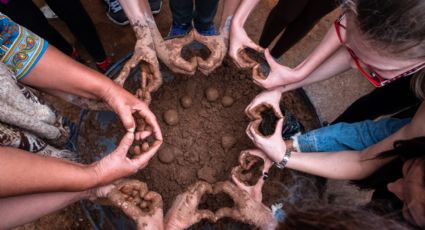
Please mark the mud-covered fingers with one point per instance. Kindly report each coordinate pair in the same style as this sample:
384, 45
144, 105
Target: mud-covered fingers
258, 76
242, 156
244, 61
230, 189
156, 78
180, 65
143, 132
254, 129
249, 113
254, 111
143, 159
133, 188
267, 162
236, 171
200, 188
125, 71
154, 201
150, 120
204, 214
228, 212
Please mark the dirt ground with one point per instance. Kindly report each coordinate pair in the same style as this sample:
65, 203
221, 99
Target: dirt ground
192, 148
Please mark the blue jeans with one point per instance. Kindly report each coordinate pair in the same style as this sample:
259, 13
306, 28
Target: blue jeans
202, 12
348, 136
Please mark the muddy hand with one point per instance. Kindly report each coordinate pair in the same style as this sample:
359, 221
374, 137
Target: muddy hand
246, 209
239, 40
169, 51
247, 160
218, 45
184, 211
137, 202
144, 54
148, 83
279, 75
273, 146
117, 164
263, 101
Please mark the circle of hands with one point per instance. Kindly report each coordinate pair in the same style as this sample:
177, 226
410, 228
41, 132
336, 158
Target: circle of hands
146, 207
151, 47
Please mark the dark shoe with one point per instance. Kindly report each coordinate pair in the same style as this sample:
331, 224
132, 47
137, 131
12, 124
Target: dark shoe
115, 13
155, 6
291, 125
209, 31
104, 65
179, 30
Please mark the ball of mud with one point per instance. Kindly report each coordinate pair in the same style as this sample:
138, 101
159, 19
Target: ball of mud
212, 94
166, 155
227, 101
227, 142
171, 117
186, 101
207, 173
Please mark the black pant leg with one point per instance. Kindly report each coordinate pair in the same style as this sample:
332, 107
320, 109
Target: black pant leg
182, 11
80, 24
280, 16
27, 14
313, 11
204, 14
382, 101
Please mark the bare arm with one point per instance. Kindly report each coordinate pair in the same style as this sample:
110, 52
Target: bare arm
343, 164
55, 71
326, 60
244, 10
20, 210
239, 39
25, 173
337, 63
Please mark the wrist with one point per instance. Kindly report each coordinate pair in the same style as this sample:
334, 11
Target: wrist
283, 159
171, 224
95, 172
157, 225
269, 224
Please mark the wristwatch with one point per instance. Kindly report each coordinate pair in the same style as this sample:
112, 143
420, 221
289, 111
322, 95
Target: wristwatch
281, 165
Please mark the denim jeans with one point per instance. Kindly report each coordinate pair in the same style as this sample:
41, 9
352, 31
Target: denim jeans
202, 14
348, 136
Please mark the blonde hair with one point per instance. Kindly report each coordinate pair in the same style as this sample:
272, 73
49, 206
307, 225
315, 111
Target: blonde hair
418, 85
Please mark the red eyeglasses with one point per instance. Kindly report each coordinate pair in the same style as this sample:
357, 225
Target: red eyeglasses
366, 69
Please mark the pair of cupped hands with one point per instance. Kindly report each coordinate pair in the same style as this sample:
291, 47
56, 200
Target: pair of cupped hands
146, 207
